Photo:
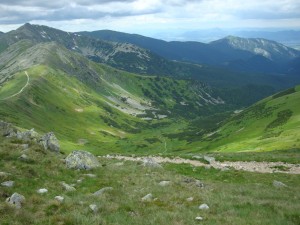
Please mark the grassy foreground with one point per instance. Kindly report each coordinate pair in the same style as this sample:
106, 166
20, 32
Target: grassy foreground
234, 197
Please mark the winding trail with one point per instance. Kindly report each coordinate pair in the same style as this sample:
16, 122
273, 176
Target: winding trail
22, 89
259, 167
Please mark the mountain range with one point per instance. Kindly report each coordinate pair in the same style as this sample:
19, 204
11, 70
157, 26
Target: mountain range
226, 52
119, 91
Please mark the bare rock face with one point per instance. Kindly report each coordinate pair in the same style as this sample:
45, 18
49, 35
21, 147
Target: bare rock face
81, 160
50, 142
16, 200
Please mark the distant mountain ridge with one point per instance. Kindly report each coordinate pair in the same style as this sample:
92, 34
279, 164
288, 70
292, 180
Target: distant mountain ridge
221, 52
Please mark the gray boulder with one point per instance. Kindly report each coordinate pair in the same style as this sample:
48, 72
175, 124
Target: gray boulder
68, 187
50, 142
81, 160
150, 162
279, 184
204, 207
6, 129
16, 200
147, 198
9, 183
102, 190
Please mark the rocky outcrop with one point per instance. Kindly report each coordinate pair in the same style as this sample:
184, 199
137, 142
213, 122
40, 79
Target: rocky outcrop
16, 200
50, 142
29, 135
81, 160
7, 129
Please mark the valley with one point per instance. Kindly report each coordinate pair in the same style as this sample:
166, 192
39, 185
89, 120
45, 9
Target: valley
175, 139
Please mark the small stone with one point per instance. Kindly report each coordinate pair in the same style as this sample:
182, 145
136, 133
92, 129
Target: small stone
147, 198
279, 184
42, 191
119, 164
90, 175
190, 199
23, 157
68, 187
102, 190
4, 174
79, 181
59, 198
164, 183
9, 183
209, 159
94, 208
199, 184
16, 200
203, 207
199, 218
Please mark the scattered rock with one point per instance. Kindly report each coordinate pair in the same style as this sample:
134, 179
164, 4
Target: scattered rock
16, 200
50, 142
59, 198
4, 174
68, 187
102, 190
94, 208
190, 199
164, 183
199, 184
147, 198
199, 218
23, 157
29, 135
42, 191
81, 160
279, 184
8, 183
6, 129
209, 159
203, 207
150, 162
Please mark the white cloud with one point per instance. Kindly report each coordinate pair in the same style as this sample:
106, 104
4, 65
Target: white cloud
147, 15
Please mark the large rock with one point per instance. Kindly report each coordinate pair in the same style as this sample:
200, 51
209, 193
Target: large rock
150, 162
81, 160
16, 200
6, 129
50, 142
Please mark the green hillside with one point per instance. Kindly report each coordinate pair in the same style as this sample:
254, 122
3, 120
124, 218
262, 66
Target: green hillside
271, 124
96, 107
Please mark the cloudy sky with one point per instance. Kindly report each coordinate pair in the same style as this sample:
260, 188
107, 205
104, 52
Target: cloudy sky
150, 16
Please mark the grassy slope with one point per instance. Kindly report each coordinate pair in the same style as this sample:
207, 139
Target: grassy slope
271, 124
234, 197
81, 118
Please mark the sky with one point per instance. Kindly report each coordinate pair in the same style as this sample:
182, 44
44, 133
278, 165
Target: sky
150, 17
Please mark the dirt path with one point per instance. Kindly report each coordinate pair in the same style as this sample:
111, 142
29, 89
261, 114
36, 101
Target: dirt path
260, 167
22, 89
